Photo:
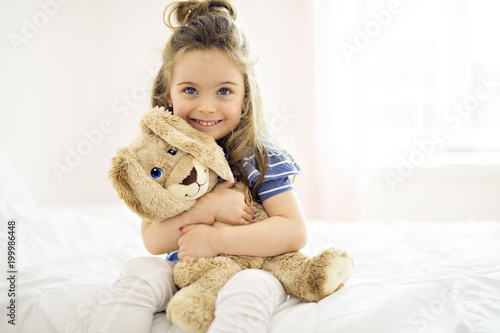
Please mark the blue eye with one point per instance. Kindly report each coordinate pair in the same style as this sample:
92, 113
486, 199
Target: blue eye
190, 90
156, 172
224, 91
172, 152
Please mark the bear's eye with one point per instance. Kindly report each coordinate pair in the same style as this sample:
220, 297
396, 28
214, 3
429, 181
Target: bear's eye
156, 172
172, 152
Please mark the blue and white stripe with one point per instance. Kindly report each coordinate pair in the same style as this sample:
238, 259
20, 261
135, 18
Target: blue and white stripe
277, 179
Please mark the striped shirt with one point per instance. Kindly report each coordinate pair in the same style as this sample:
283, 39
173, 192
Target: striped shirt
277, 179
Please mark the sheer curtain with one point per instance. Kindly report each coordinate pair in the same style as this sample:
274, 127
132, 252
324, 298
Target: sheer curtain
400, 86
335, 166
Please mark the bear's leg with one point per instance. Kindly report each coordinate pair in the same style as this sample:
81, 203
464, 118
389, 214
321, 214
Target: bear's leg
311, 279
192, 308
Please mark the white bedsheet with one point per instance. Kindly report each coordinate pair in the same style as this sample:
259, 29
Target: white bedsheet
408, 277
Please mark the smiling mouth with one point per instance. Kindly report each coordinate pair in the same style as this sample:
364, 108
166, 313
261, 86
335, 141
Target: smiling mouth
206, 123
198, 190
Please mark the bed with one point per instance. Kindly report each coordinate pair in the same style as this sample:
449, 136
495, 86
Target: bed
408, 276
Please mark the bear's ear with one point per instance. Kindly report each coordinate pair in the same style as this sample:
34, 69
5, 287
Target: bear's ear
178, 133
118, 175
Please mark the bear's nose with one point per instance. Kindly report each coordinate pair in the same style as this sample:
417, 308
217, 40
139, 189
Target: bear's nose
193, 177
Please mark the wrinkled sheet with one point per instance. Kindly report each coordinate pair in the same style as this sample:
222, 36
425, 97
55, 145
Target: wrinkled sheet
408, 276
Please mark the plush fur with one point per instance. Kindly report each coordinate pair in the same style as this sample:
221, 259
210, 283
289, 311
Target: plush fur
190, 162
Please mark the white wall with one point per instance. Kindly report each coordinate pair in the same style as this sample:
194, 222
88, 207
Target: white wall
451, 193
77, 75
66, 69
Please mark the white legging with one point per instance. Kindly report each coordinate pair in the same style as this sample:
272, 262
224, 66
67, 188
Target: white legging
245, 304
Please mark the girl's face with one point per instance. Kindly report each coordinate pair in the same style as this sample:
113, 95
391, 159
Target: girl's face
207, 91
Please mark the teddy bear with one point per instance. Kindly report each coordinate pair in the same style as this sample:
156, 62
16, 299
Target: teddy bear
162, 173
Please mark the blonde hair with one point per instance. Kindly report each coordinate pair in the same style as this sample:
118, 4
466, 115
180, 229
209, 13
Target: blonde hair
205, 25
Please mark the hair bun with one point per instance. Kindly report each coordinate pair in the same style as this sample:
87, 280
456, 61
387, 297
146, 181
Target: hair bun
186, 11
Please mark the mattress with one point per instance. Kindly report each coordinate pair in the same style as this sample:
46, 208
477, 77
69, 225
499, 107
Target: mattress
408, 276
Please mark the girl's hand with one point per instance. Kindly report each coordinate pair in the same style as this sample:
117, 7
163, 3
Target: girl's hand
197, 241
223, 205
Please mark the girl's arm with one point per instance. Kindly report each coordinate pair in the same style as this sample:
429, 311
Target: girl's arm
284, 231
221, 204
162, 237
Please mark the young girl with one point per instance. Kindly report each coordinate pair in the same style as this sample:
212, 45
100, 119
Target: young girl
207, 79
